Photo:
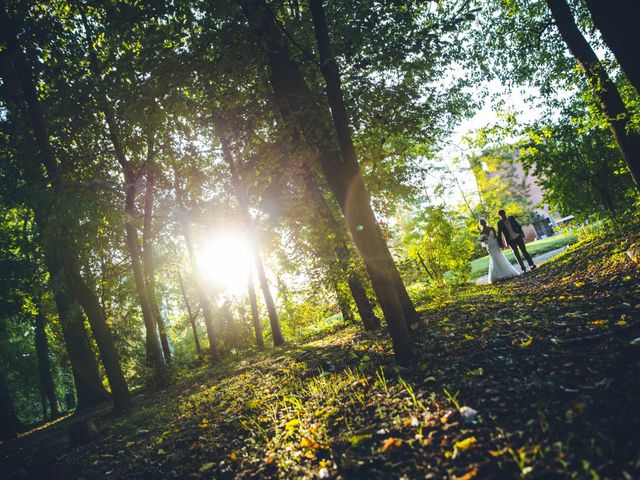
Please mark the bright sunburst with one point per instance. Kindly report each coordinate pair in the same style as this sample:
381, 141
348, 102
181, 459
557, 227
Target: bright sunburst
225, 260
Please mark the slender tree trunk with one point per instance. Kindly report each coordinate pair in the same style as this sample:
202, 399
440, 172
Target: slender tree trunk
343, 301
192, 319
619, 29
331, 74
274, 321
44, 368
133, 246
104, 339
149, 266
424, 266
603, 87
255, 315
9, 424
205, 304
89, 388
299, 108
341, 249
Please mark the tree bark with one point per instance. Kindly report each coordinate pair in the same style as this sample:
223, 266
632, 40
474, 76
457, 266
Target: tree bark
299, 109
331, 74
132, 240
133, 246
149, 266
604, 89
9, 424
192, 319
274, 320
205, 304
255, 315
90, 389
44, 368
341, 249
104, 339
619, 29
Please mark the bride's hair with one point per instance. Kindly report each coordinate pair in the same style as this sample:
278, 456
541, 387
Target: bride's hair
483, 222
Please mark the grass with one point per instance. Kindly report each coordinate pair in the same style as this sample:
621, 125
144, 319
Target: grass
480, 266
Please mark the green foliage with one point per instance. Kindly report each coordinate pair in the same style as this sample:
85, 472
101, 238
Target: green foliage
501, 185
564, 154
438, 246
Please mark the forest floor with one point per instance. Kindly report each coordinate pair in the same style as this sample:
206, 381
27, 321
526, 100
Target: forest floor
537, 377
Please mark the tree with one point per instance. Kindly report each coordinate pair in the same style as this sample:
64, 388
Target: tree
579, 168
603, 87
148, 263
44, 368
620, 33
64, 264
131, 178
276, 331
299, 109
9, 424
440, 242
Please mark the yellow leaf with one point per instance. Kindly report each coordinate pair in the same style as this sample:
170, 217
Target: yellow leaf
463, 445
579, 284
233, 456
497, 453
598, 323
390, 442
621, 323
527, 342
469, 475
468, 337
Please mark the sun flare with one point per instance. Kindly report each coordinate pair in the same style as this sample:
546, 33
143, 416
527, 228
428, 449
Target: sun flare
225, 261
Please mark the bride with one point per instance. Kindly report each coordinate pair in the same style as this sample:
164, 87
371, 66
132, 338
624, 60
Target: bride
499, 267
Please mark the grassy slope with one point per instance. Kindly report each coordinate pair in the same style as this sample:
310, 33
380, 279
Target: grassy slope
480, 266
546, 360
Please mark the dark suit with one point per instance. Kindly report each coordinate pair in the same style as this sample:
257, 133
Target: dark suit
515, 243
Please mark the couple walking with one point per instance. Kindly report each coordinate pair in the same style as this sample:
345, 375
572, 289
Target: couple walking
508, 228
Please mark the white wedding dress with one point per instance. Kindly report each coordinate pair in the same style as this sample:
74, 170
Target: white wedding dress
499, 267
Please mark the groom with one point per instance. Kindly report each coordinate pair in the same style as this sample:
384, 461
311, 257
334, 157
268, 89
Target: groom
510, 229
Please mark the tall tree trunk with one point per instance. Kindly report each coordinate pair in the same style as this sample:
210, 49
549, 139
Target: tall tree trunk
44, 367
192, 319
9, 424
331, 74
299, 108
603, 87
104, 339
90, 389
343, 301
343, 255
619, 30
149, 265
205, 303
255, 314
133, 246
132, 240
274, 320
